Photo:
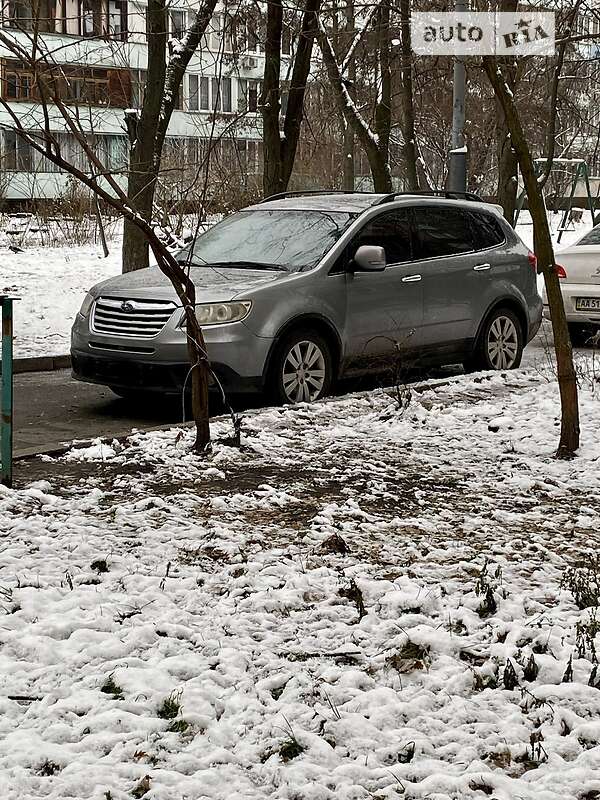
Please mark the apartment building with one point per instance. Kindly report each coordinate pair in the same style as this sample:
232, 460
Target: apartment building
101, 48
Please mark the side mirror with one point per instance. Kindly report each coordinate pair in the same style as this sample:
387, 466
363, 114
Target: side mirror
369, 258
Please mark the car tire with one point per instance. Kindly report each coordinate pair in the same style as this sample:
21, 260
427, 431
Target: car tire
499, 344
302, 368
581, 334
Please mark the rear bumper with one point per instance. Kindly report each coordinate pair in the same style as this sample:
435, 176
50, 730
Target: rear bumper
570, 293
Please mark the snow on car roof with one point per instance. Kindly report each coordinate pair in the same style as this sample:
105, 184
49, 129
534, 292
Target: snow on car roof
351, 202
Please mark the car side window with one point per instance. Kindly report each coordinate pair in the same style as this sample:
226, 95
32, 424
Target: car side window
390, 230
487, 231
442, 231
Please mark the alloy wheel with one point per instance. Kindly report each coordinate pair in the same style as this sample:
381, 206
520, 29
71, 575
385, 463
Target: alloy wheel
303, 372
502, 343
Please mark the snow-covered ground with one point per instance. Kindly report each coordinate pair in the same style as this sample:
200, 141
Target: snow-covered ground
52, 281
50, 284
364, 602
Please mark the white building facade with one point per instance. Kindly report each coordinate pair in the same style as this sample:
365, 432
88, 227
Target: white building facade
101, 49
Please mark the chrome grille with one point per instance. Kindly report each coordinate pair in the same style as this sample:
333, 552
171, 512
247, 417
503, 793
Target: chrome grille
141, 319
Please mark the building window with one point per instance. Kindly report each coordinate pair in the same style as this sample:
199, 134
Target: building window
228, 33
286, 40
59, 12
248, 93
18, 83
198, 93
226, 95
193, 93
221, 94
215, 33
117, 19
204, 101
255, 31
178, 23
216, 94
138, 87
90, 18
73, 84
17, 155
28, 15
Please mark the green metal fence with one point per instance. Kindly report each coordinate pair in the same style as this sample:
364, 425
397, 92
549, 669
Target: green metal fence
6, 392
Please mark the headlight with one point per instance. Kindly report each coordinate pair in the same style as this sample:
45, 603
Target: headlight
220, 313
87, 304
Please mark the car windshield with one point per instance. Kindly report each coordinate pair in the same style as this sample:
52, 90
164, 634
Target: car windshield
266, 239
591, 237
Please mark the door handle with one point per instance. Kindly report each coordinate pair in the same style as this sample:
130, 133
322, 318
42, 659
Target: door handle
411, 279
482, 267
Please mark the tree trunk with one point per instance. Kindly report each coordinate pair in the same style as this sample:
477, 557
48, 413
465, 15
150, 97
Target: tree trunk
196, 346
508, 163
148, 134
135, 243
406, 101
383, 109
508, 168
348, 160
348, 168
280, 152
142, 176
567, 383
271, 102
374, 149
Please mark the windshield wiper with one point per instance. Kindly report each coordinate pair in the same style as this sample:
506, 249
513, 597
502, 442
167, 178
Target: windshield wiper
189, 262
247, 265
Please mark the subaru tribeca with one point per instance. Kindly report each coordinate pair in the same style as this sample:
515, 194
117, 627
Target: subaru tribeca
304, 288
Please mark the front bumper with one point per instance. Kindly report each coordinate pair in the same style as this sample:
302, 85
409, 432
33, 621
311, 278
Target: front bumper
160, 364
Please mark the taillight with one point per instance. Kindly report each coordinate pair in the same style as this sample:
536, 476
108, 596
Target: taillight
560, 271
532, 260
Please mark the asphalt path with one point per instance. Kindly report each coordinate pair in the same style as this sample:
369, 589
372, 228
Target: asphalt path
51, 408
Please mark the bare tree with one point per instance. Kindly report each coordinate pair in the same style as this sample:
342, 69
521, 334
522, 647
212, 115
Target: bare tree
569, 434
406, 99
374, 140
148, 130
52, 111
280, 147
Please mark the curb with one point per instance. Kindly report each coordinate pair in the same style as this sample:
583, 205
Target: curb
39, 364
59, 450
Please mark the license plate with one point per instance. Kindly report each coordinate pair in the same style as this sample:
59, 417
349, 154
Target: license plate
587, 304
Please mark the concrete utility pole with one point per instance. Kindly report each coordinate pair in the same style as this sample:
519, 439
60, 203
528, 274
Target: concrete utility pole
457, 163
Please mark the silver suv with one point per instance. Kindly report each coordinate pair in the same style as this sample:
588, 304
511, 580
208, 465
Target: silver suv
305, 288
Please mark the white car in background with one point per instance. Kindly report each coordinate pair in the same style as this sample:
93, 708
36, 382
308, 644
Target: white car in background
579, 274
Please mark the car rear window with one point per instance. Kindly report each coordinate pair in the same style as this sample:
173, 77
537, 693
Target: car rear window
487, 231
592, 237
442, 231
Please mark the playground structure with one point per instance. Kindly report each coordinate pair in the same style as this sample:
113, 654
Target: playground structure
578, 174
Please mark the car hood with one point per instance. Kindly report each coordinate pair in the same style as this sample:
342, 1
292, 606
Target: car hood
212, 284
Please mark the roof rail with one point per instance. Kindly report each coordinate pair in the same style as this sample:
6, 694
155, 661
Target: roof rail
448, 195
309, 192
